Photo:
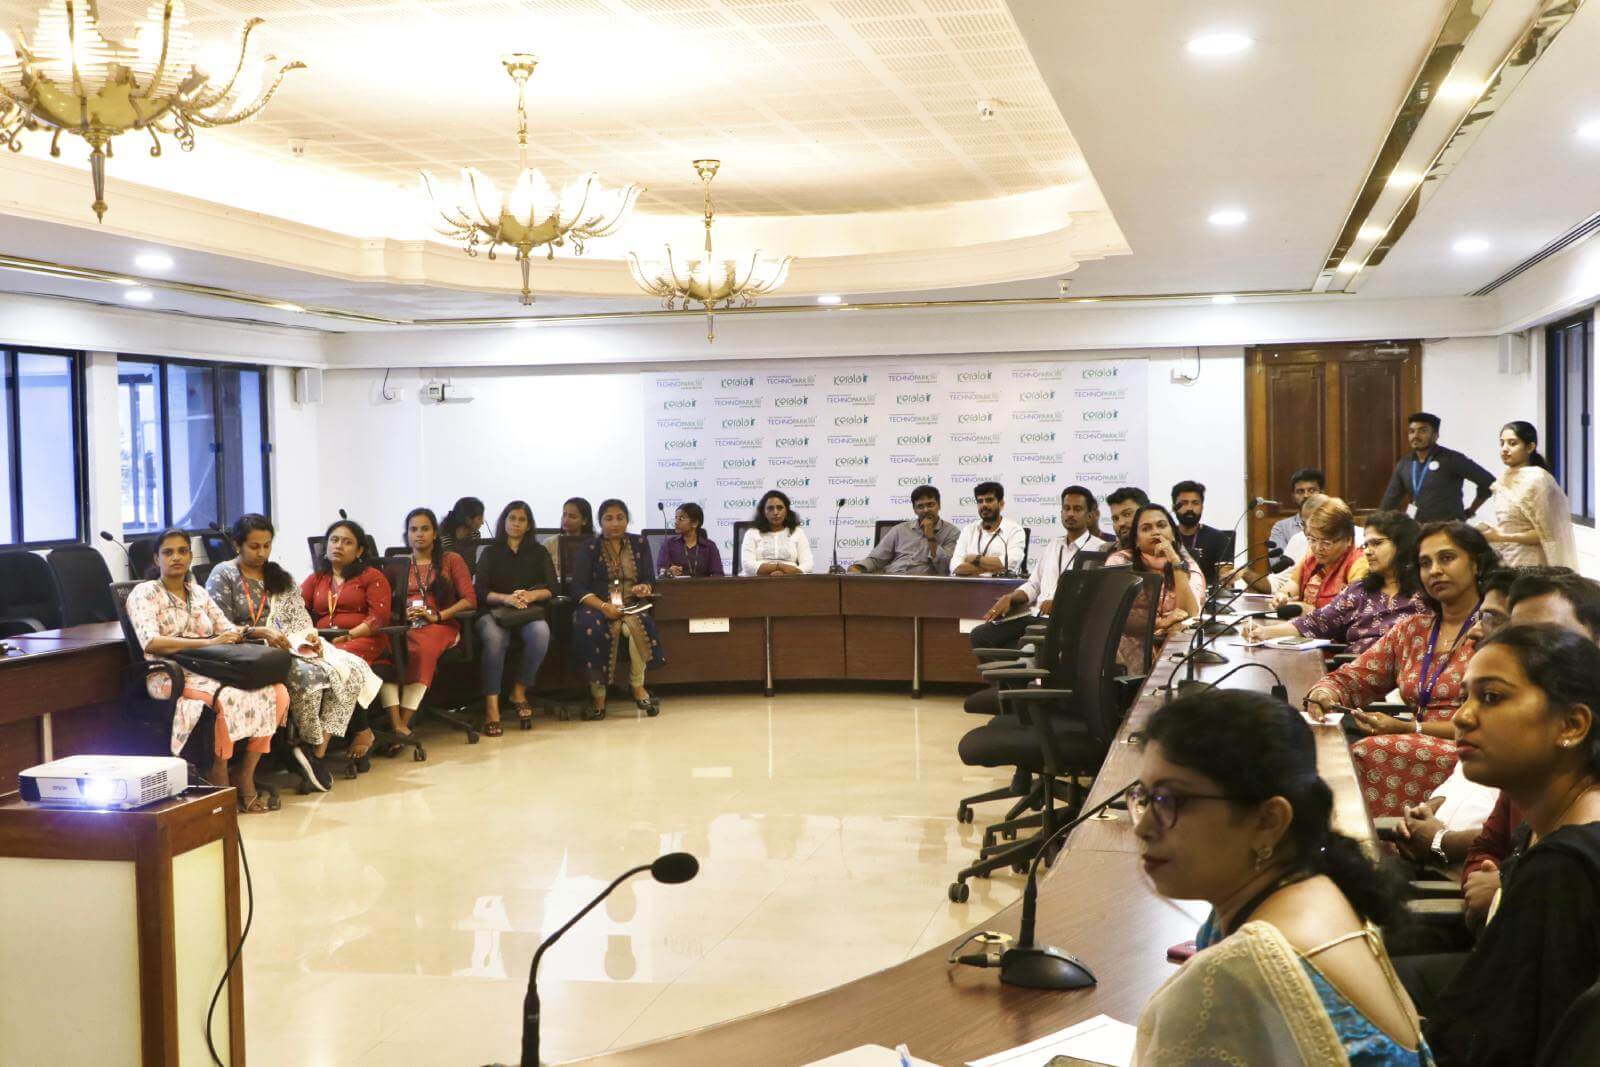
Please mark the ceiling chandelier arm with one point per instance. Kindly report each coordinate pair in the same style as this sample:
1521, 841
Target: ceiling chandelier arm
161, 61
200, 118
204, 101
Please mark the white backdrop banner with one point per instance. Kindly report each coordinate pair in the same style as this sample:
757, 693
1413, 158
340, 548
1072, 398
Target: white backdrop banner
869, 435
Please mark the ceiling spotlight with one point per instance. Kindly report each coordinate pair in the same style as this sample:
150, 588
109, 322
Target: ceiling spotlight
1590, 131
1228, 216
153, 262
1371, 233
138, 296
830, 298
1224, 298
1459, 89
1470, 246
985, 110
1349, 266
1404, 179
1219, 44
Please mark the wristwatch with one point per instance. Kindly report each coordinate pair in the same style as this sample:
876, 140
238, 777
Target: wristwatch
1437, 847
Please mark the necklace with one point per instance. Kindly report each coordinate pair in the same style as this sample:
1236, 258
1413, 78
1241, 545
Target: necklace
1556, 825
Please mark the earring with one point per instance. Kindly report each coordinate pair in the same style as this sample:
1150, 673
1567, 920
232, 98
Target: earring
1263, 854
1567, 743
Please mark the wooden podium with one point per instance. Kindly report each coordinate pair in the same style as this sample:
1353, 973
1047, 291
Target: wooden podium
117, 929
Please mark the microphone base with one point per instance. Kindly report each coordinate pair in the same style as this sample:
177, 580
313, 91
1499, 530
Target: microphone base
1190, 685
1213, 629
1044, 967
836, 569
1207, 656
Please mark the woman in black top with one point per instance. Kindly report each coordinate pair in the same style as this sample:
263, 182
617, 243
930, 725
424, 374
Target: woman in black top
515, 578
1528, 728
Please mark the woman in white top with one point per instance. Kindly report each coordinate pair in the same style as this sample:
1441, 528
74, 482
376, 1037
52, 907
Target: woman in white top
775, 544
1535, 528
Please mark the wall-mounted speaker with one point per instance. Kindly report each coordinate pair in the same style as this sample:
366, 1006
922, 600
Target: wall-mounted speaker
1515, 356
307, 385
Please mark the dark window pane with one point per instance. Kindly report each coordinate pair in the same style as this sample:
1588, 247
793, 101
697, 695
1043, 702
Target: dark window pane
47, 441
191, 440
7, 532
243, 473
139, 408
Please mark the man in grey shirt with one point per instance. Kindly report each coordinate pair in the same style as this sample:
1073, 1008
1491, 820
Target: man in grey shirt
1307, 481
917, 546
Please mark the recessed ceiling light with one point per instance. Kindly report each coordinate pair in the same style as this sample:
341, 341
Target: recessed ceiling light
1223, 298
1227, 216
153, 261
1470, 246
138, 296
1219, 44
1459, 89
830, 298
1404, 179
1349, 266
1371, 233
1590, 131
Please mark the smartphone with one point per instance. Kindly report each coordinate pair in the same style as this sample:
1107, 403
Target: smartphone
1180, 952
1294, 642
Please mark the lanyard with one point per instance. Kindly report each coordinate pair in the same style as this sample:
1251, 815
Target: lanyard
1429, 681
250, 603
334, 586
1419, 474
424, 578
692, 556
998, 532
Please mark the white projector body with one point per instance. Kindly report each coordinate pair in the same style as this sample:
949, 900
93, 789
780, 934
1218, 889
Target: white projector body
114, 782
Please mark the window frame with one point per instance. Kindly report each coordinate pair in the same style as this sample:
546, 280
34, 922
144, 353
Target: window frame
162, 363
1557, 432
80, 449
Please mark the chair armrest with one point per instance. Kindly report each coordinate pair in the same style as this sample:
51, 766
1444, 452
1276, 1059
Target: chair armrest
1387, 827
996, 653
1015, 674
1341, 658
1036, 631
1128, 685
1035, 696
560, 600
1435, 889
984, 669
329, 633
1439, 912
146, 667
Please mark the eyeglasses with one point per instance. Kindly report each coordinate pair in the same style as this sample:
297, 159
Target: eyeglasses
1161, 802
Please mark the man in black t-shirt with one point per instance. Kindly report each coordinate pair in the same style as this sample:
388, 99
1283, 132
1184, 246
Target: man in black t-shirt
1429, 477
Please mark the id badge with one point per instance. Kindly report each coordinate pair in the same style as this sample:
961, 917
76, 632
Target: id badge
1411, 509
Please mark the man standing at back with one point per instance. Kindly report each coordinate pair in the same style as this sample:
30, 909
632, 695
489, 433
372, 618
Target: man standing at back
1209, 546
992, 545
1430, 476
920, 545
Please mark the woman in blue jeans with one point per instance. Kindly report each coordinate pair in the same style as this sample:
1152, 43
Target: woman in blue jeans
515, 577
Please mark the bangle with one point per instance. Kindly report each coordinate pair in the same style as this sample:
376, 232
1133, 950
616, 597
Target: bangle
1416, 726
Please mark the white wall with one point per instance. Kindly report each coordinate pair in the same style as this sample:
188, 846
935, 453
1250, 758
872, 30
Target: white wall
544, 434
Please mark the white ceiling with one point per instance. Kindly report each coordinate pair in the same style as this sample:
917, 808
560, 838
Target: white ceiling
817, 108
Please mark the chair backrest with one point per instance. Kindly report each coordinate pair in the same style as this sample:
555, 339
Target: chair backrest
141, 557
119, 597
1089, 561
27, 590
1577, 1032
318, 545
219, 546
1096, 697
83, 585
201, 572
566, 557
1021, 566
656, 539
1071, 599
738, 543
881, 527
397, 550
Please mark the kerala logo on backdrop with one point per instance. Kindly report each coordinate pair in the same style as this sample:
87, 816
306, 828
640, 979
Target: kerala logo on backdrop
806, 381
849, 379
793, 483
909, 479
1101, 415
682, 483
1102, 457
972, 459
1038, 479
1036, 374
903, 399
976, 416
966, 502
735, 464
914, 377
914, 439
737, 402
850, 420
790, 401
969, 396
858, 501
680, 443
791, 442
1097, 373
1029, 396
738, 424
738, 503
1036, 437
670, 405
737, 383
850, 461
858, 400
855, 542
975, 376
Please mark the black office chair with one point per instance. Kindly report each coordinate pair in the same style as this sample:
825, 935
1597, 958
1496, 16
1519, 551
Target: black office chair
219, 546
655, 540
83, 585
1089, 561
201, 572
1060, 734
457, 659
141, 557
318, 544
396, 550
881, 527
28, 592
469, 550
738, 543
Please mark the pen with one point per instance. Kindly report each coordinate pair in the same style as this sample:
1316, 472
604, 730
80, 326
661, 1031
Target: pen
904, 1054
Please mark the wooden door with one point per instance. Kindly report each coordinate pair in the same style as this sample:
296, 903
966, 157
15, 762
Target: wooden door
1338, 407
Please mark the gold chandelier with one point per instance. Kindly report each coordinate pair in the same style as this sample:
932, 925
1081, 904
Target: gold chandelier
704, 281
73, 79
533, 216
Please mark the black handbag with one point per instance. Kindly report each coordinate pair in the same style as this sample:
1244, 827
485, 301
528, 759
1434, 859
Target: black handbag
238, 666
514, 618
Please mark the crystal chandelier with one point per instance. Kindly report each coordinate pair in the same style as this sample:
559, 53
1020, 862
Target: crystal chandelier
73, 79
532, 216
712, 285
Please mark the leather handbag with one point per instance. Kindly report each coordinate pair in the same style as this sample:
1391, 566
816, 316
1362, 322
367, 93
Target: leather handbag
240, 666
513, 618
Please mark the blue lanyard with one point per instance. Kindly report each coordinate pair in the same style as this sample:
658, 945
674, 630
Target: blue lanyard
1419, 467
1428, 682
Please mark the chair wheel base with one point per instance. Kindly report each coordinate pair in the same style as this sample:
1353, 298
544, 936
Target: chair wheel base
418, 754
959, 892
526, 724
963, 814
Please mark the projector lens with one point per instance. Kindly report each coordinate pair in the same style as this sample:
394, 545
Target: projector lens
100, 791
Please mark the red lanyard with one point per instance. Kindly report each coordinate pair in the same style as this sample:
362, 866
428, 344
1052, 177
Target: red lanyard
250, 603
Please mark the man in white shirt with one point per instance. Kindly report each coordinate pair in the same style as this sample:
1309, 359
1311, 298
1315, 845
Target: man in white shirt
993, 545
1002, 629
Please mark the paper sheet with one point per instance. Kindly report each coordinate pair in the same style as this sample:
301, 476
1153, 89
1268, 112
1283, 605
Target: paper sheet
1101, 1040
867, 1056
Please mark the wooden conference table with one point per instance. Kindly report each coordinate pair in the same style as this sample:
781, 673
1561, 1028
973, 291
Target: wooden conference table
1094, 903
60, 694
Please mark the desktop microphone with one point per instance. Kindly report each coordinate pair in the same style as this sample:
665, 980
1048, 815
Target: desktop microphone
104, 536
836, 569
670, 869
661, 506
1279, 690
1044, 966
1184, 685
1204, 628
1261, 501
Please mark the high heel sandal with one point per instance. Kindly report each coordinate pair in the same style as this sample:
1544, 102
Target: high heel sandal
649, 705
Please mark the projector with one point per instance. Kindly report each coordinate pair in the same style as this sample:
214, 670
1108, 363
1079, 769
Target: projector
104, 782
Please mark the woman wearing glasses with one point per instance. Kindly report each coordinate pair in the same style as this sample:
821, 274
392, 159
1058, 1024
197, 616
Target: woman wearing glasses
1332, 561
1290, 967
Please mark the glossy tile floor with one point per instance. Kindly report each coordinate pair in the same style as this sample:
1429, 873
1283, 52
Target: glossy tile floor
396, 916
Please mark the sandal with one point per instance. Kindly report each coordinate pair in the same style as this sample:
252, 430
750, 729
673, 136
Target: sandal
492, 728
257, 804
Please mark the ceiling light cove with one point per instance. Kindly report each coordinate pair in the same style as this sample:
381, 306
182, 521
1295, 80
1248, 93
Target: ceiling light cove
1404, 179
1224, 298
1459, 89
1470, 246
1349, 266
138, 296
830, 298
1219, 44
1371, 233
153, 262
1590, 131
1227, 217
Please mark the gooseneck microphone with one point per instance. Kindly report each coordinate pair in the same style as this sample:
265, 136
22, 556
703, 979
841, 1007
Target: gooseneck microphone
836, 569
105, 536
1185, 685
671, 869
1279, 689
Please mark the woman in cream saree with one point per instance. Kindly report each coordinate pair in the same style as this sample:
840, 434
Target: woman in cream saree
1535, 527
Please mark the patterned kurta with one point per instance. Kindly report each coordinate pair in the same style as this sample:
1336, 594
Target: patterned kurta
1131, 650
1358, 618
1396, 770
323, 691
1319, 584
596, 639
155, 612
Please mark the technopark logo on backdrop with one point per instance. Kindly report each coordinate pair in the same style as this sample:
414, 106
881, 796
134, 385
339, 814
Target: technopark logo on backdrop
915, 459
861, 400
1036, 374
737, 402
681, 383
914, 377
969, 396
804, 381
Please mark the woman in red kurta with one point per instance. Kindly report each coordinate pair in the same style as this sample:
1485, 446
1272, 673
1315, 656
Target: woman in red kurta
346, 592
1332, 561
1425, 656
437, 587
